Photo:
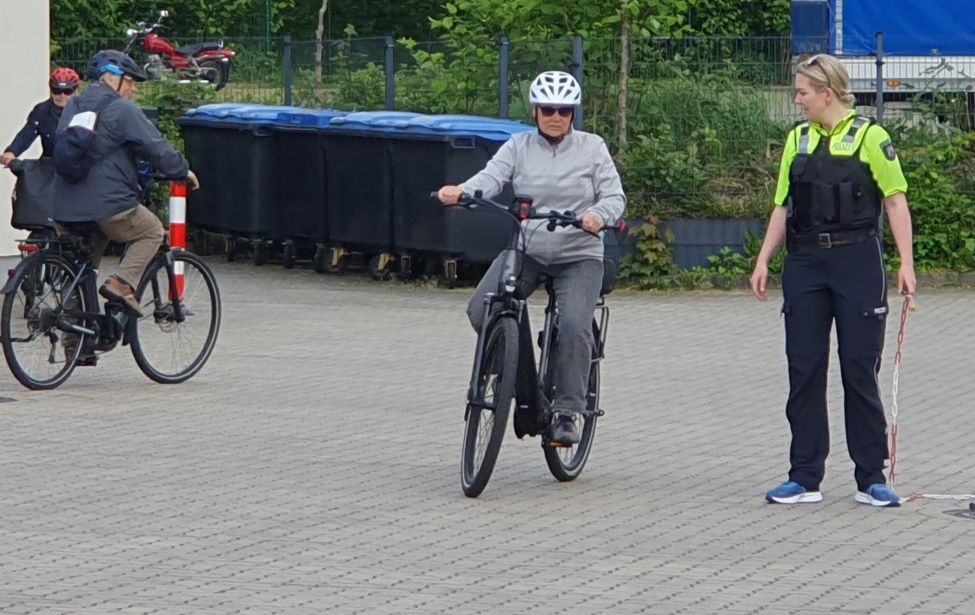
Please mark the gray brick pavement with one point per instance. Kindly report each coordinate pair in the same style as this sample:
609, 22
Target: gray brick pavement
312, 467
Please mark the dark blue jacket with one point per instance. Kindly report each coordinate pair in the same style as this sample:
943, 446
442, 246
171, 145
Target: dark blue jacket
123, 137
41, 122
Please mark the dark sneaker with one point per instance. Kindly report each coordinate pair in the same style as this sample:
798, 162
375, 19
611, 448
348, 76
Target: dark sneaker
117, 289
87, 357
564, 432
90, 360
791, 492
879, 495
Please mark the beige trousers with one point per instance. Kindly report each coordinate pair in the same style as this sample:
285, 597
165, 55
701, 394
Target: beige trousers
138, 227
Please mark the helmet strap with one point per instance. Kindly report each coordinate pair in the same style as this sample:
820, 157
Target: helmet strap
553, 141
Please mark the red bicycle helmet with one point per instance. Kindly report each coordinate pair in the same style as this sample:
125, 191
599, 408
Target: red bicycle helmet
64, 78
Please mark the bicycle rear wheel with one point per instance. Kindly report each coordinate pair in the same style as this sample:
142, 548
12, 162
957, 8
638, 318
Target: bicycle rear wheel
40, 353
169, 347
566, 462
484, 428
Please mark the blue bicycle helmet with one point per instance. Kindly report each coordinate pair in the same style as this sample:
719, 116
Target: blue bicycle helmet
114, 62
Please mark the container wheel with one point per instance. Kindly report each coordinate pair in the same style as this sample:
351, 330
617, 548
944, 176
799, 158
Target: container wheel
320, 260
339, 261
380, 267
450, 272
406, 263
288, 254
260, 252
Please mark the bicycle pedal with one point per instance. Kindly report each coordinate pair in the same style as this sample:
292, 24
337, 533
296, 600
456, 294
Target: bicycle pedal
553, 444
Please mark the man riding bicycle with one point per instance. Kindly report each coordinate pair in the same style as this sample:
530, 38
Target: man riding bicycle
110, 191
560, 169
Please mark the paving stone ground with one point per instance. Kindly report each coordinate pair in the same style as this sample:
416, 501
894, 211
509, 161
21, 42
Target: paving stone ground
313, 467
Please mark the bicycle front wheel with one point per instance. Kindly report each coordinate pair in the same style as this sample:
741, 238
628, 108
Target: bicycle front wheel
37, 319
181, 303
484, 428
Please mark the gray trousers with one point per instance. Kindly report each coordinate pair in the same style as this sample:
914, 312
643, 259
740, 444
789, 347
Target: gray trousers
576, 287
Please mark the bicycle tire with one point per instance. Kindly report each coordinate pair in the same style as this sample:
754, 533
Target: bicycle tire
157, 337
567, 462
484, 428
32, 342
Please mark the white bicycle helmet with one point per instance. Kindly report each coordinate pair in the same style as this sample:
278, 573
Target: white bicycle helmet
554, 87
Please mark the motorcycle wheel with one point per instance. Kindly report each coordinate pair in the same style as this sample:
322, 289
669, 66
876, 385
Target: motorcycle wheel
216, 72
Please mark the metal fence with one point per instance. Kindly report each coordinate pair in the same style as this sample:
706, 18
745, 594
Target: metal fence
375, 73
704, 118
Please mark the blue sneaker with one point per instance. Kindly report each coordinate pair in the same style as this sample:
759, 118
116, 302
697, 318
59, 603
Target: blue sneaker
878, 494
792, 493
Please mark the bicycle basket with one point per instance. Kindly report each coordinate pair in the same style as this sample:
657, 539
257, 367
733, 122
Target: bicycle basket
33, 197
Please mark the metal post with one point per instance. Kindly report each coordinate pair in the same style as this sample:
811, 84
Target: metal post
390, 77
503, 79
578, 67
880, 76
287, 70
268, 13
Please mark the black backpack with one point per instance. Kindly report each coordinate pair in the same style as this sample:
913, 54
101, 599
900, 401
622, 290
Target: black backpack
73, 155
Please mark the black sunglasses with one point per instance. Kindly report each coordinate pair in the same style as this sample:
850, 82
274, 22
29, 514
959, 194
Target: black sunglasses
550, 111
62, 91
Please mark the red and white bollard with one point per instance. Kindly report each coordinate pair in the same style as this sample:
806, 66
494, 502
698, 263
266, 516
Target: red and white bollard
177, 230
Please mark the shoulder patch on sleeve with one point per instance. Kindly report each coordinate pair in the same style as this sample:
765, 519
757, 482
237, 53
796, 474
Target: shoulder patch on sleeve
889, 152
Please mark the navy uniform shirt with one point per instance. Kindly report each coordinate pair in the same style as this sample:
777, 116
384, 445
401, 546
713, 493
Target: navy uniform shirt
42, 121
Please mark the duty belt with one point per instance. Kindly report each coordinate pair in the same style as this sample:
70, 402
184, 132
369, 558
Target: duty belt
826, 241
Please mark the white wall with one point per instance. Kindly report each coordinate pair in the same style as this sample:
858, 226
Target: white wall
25, 36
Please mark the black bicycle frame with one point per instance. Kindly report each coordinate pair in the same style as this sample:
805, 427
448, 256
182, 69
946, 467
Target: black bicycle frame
530, 393
175, 300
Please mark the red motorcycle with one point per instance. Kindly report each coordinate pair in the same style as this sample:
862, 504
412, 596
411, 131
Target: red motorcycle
209, 61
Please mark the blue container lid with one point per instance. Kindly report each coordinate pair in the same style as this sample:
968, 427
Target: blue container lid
262, 114
488, 128
386, 122
238, 114
308, 118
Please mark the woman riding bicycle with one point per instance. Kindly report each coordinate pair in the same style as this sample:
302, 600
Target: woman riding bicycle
43, 119
561, 169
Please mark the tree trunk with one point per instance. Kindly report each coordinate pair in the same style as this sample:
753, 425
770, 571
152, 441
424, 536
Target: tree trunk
319, 36
624, 77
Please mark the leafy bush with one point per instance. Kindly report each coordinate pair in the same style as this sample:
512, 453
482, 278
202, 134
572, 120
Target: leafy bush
941, 192
701, 149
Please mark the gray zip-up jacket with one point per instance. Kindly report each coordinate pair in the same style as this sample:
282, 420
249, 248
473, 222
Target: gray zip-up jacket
577, 174
123, 135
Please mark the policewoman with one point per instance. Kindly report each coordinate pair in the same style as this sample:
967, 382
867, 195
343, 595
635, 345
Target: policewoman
839, 174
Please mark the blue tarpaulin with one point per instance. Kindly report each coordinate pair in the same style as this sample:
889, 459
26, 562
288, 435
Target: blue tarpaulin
910, 27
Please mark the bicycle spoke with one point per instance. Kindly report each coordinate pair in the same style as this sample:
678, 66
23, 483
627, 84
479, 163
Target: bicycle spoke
168, 350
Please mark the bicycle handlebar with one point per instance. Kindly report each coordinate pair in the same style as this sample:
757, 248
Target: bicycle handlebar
521, 209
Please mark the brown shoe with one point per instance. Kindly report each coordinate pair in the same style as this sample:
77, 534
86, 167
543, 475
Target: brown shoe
117, 289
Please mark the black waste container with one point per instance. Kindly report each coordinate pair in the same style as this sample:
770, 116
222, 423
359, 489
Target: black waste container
431, 151
233, 149
152, 114
205, 133
359, 180
300, 210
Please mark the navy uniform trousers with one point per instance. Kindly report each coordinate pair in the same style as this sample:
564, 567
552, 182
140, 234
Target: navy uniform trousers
846, 284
